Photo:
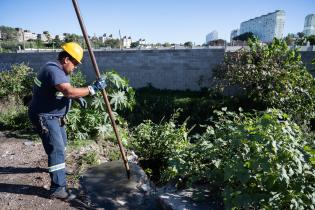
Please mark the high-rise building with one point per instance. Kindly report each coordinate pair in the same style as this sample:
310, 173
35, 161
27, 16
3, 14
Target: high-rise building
234, 33
309, 25
212, 36
265, 27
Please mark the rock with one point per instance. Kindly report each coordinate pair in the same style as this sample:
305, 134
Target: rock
28, 143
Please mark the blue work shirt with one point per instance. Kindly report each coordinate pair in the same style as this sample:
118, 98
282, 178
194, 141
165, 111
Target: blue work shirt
46, 98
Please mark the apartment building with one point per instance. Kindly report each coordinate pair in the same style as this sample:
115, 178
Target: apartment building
309, 25
265, 27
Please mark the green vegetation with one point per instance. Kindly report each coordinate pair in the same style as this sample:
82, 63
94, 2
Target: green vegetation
245, 36
188, 44
9, 41
90, 158
94, 121
16, 82
256, 161
157, 143
253, 159
271, 76
155, 105
260, 156
15, 86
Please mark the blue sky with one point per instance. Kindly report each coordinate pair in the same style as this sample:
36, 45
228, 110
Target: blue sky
174, 21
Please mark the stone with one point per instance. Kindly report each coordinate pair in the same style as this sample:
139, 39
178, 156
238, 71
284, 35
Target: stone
28, 143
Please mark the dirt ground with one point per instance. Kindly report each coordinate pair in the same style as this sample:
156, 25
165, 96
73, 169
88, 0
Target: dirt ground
24, 180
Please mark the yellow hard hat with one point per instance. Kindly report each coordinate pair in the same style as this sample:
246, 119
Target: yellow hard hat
74, 49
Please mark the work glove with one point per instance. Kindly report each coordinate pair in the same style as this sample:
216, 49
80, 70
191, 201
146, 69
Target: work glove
98, 85
82, 102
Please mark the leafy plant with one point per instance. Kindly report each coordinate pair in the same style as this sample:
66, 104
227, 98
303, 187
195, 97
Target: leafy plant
259, 161
77, 79
94, 121
272, 75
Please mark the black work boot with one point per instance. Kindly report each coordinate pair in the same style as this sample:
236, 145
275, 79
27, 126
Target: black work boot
63, 194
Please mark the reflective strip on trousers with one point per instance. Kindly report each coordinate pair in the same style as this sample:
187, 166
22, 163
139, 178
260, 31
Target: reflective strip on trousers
37, 82
57, 167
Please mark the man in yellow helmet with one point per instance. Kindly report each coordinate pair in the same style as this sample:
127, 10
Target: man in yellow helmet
52, 94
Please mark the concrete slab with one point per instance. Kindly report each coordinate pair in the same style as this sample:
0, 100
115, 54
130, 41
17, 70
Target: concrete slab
108, 187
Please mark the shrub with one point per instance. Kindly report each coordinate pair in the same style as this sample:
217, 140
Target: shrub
15, 85
14, 116
155, 144
260, 161
271, 75
17, 81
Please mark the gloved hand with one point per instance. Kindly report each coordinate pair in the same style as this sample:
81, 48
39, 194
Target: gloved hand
98, 85
82, 102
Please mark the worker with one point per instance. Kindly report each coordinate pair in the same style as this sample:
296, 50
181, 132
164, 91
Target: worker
51, 100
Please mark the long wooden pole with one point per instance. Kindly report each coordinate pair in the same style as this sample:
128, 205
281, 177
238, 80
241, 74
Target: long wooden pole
98, 75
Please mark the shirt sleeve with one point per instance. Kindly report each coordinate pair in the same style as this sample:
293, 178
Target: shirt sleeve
58, 76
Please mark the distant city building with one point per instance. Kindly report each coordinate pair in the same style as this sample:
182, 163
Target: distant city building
217, 42
309, 25
142, 42
212, 36
42, 37
61, 37
24, 35
234, 33
106, 37
19, 34
265, 27
126, 42
28, 35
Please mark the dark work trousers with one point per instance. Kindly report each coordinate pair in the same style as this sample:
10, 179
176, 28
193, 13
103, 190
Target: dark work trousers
54, 139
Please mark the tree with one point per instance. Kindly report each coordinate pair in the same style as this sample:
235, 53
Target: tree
245, 36
135, 44
290, 39
113, 43
57, 42
311, 39
8, 33
271, 76
188, 44
301, 40
300, 34
166, 44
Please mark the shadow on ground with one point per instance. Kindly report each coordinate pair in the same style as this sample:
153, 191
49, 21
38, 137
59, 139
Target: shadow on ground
14, 170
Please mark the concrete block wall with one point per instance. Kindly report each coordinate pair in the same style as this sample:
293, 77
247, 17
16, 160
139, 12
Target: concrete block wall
307, 57
163, 69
